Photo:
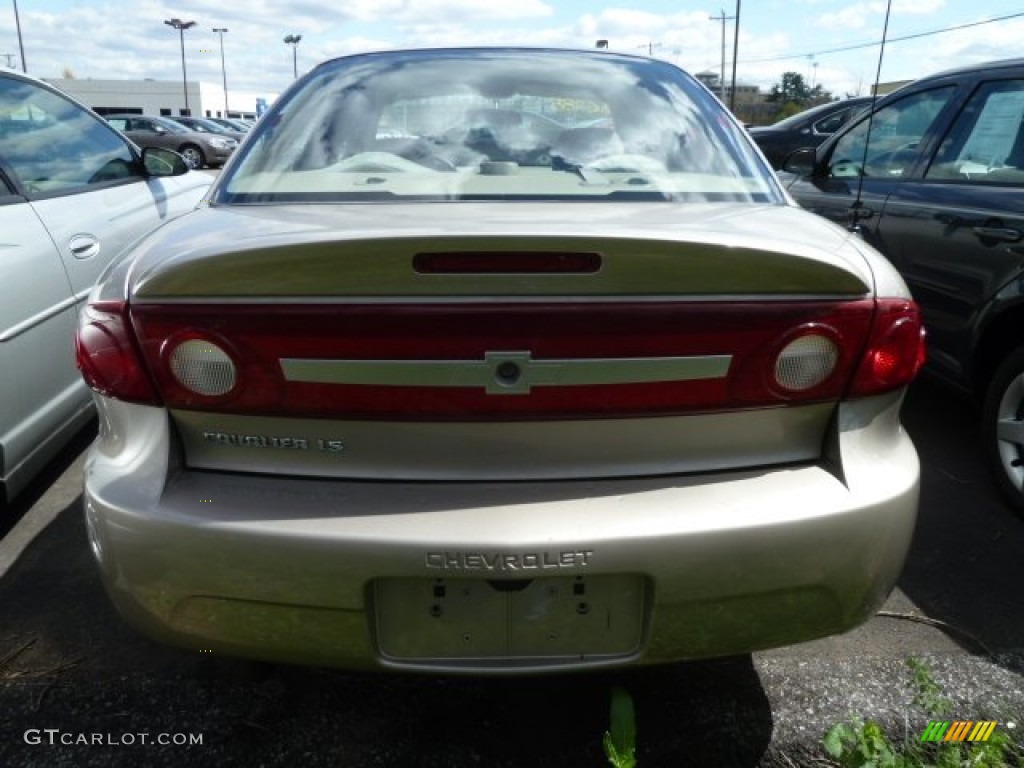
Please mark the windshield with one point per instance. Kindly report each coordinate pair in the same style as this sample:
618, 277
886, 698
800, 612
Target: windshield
497, 124
207, 125
171, 126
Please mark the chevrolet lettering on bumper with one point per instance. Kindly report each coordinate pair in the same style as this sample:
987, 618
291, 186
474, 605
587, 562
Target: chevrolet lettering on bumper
507, 561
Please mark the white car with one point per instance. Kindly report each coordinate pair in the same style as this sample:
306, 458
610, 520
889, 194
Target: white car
74, 193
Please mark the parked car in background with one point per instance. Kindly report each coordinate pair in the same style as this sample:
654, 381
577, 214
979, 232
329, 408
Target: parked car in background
806, 129
73, 194
198, 149
232, 125
939, 188
205, 125
619, 401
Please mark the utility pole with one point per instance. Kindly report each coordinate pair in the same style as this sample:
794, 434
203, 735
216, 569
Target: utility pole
21, 44
735, 54
10, 59
650, 48
721, 77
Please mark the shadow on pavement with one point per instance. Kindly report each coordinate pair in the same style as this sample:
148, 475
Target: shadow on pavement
67, 662
15, 510
966, 564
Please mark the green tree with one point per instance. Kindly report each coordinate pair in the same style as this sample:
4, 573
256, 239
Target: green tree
792, 88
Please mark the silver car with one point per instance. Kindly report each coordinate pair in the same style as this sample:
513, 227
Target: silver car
604, 397
73, 194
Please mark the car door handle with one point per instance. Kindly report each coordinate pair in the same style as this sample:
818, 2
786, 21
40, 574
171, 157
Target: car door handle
998, 234
83, 246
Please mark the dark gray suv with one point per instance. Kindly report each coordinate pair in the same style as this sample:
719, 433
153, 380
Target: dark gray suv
934, 178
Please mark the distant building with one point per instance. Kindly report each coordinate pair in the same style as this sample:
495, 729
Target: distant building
723, 91
883, 88
160, 97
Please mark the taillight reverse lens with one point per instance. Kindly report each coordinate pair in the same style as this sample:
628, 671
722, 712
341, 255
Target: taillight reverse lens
106, 354
203, 368
806, 362
895, 350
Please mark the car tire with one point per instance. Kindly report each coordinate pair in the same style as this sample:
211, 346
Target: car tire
193, 156
1003, 426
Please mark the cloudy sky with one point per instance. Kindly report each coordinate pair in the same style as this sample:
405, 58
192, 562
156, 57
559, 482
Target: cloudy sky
128, 39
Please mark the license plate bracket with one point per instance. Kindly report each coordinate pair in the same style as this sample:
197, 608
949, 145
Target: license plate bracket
551, 617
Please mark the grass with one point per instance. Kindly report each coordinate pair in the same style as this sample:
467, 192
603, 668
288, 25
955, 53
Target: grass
864, 744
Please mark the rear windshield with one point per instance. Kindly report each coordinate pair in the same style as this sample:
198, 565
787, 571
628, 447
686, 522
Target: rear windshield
508, 125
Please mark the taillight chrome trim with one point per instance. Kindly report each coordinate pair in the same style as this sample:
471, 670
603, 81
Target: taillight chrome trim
507, 373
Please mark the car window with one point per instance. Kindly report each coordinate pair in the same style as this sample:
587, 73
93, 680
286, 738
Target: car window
604, 131
832, 123
52, 145
895, 132
986, 142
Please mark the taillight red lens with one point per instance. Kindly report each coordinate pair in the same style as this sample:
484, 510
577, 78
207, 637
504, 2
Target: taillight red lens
230, 358
106, 355
895, 350
779, 353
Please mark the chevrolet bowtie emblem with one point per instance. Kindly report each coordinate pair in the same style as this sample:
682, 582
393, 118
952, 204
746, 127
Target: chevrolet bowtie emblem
507, 373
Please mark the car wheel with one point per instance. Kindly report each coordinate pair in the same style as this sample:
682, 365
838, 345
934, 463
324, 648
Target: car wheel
1003, 415
193, 156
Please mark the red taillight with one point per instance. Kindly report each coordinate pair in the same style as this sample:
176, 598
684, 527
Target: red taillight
264, 359
106, 355
895, 350
240, 359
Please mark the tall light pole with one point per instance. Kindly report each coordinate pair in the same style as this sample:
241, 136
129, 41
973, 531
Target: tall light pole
21, 45
223, 69
293, 41
181, 26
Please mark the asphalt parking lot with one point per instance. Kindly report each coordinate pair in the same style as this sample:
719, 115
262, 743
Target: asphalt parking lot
70, 671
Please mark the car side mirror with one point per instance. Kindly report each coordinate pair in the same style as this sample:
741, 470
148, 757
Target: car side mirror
801, 162
163, 162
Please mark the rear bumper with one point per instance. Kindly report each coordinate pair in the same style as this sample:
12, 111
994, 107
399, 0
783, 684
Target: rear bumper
289, 569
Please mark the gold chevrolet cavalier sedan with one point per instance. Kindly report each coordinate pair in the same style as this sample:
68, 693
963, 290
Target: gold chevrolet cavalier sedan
499, 361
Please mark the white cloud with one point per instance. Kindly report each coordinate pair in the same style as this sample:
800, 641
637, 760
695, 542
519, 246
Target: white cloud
869, 13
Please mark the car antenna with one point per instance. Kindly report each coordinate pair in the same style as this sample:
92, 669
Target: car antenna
858, 211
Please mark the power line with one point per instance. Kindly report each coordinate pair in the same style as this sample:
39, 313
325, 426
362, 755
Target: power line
859, 46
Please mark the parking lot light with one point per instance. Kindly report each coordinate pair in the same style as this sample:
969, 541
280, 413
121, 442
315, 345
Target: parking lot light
223, 69
181, 26
293, 41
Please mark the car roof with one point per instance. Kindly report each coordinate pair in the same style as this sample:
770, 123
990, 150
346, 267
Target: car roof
429, 53
812, 113
984, 66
